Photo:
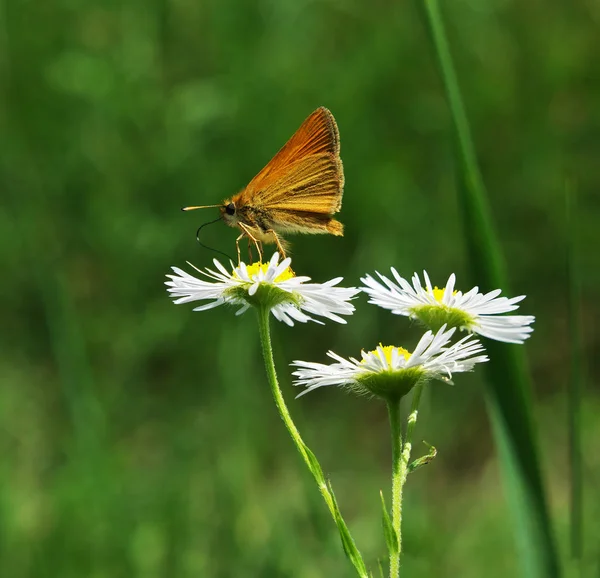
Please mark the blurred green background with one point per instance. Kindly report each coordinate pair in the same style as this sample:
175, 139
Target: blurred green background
138, 438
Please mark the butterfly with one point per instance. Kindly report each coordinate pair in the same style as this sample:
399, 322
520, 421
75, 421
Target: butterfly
298, 191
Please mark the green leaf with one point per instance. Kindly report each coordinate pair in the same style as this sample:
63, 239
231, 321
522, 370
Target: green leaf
508, 393
391, 538
314, 465
423, 461
347, 541
576, 379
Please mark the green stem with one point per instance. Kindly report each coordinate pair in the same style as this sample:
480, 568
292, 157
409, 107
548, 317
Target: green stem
308, 456
400, 458
267, 349
394, 413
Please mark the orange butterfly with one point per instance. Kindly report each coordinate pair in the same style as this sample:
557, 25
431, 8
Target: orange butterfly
298, 191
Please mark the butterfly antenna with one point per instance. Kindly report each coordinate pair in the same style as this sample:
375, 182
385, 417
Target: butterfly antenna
206, 246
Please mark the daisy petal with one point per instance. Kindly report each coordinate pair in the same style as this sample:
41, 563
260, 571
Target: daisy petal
475, 312
289, 298
390, 372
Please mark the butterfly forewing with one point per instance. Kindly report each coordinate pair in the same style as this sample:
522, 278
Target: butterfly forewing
305, 175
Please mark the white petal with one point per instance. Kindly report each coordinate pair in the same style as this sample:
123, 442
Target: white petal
326, 300
243, 309
427, 282
208, 306
449, 289
281, 267
405, 299
460, 357
221, 268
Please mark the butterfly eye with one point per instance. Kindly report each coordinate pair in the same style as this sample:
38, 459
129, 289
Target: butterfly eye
230, 209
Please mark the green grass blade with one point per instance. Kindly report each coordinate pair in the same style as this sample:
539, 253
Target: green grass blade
575, 379
66, 339
508, 396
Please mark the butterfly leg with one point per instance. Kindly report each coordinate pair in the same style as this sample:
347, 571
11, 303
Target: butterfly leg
258, 246
250, 250
246, 233
237, 246
278, 242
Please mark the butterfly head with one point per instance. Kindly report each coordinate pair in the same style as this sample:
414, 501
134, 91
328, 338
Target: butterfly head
228, 212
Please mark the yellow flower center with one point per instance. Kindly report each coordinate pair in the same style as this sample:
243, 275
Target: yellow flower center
438, 294
389, 382
256, 267
387, 352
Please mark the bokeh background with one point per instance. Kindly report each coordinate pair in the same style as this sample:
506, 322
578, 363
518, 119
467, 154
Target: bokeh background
138, 438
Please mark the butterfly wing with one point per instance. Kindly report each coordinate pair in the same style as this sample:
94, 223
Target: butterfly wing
305, 175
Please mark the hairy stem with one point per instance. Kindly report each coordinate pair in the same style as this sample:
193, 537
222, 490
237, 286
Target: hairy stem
308, 456
400, 458
394, 413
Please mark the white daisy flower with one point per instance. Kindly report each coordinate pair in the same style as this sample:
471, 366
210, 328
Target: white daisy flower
472, 311
391, 372
273, 285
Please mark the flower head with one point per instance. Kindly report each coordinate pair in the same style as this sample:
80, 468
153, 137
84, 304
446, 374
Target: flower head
472, 311
273, 285
391, 372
